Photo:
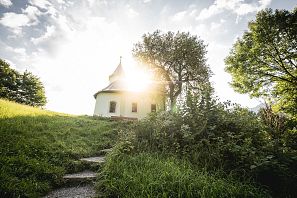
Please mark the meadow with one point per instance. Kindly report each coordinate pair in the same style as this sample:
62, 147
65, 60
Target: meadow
218, 151
37, 147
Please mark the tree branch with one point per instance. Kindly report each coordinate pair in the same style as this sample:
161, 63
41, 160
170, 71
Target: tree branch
282, 64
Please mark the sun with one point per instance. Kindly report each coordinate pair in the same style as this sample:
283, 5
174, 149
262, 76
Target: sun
137, 79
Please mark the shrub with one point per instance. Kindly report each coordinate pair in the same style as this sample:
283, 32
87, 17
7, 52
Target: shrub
221, 136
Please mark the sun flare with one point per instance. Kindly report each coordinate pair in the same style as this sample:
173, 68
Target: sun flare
137, 78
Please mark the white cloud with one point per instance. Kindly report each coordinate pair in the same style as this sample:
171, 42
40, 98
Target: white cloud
61, 1
131, 13
15, 22
179, 16
264, 3
44, 4
20, 54
215, 26
50, 30
208, 12
146, 1
48, 6
244, 9
32, 12
6, 3
238, 7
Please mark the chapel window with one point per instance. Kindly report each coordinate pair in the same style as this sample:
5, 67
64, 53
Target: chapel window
153, 107
134, 107
112, 107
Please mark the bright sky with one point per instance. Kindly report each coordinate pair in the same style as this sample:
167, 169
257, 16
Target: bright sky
73, 46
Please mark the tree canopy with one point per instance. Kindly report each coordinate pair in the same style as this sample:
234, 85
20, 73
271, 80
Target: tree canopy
177, 59
24, 88
263, 62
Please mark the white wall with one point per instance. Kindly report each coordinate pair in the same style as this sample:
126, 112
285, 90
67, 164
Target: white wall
124, 104
102, 104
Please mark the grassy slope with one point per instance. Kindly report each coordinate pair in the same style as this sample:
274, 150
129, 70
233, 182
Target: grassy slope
155, 175
37, 147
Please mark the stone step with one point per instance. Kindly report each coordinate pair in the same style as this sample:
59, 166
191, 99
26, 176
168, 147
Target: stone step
79, 191
99, 160
80, 177
106, 151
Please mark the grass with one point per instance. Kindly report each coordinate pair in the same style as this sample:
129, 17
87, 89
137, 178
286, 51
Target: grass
37, 147
155, 175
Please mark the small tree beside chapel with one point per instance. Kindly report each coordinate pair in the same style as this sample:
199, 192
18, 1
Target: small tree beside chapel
178, 60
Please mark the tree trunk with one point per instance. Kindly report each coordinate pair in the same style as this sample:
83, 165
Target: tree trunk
171, 96
172, 103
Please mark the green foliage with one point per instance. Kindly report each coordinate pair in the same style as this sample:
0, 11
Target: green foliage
232, 137
178, 59
37, 147
8, 79
264, 63
154, 175
215, 136
23, 88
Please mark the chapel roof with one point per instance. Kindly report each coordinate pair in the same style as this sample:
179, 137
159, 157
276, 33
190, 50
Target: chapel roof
117, 82
121, 86
119, 71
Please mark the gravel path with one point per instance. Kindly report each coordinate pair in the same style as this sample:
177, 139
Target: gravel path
83, 191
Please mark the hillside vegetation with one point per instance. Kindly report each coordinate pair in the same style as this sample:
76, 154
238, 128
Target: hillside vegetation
37, 147
205, 150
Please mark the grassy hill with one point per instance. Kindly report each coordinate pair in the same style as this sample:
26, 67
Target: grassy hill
37, 146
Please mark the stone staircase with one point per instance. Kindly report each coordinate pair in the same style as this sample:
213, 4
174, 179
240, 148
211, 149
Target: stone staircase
80, 184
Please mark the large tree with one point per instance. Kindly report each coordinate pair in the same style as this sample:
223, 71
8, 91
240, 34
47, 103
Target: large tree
8, 81
24, 88
177, 59
263, 62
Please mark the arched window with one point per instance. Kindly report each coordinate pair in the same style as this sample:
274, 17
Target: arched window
134, 107
112, 107
153, 107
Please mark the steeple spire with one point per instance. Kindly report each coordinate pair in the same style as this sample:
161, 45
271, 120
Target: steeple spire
118, 73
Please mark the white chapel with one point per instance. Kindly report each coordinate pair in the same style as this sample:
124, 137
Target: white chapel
119, 102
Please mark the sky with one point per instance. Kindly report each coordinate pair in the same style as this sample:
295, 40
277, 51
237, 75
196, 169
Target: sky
74, 45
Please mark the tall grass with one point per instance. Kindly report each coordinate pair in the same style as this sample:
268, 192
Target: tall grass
155, 175
37, 147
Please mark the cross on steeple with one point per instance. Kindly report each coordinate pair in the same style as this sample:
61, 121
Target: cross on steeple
120, 59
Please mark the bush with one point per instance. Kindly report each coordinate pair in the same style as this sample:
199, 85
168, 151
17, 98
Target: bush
221, 136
